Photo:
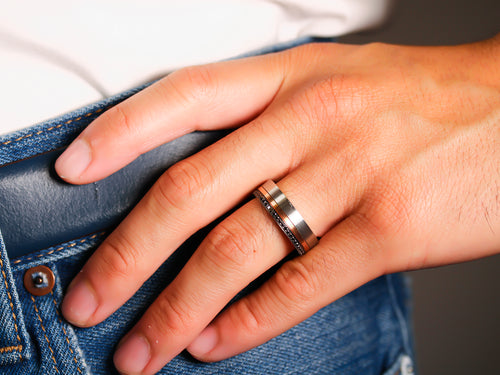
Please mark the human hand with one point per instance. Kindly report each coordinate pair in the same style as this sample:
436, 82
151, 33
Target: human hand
390, 153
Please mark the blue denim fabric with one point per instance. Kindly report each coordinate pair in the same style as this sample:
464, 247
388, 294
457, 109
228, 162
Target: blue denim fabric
365, 332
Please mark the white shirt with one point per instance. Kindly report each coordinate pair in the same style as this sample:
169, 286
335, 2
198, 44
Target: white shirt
58, 55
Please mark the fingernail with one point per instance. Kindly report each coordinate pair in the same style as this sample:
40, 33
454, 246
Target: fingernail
204, 343
79, 304
73, 162
132, 355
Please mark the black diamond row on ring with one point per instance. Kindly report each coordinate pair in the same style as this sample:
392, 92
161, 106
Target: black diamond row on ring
295, 242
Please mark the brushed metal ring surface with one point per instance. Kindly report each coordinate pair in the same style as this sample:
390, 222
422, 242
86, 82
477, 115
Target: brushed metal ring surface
286, 216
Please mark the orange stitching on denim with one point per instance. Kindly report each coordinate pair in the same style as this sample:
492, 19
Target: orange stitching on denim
11, 304
9, 349
65, 333
45, 333
53, 127
70, 245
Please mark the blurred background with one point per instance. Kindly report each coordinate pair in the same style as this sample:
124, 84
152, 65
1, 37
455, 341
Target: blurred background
456, 308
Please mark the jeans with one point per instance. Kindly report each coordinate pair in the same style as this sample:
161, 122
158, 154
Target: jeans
44, 221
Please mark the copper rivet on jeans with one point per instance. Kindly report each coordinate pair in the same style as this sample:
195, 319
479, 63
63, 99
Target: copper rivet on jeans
39, 280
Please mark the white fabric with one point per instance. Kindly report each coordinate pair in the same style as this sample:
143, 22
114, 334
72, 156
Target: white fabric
57, 55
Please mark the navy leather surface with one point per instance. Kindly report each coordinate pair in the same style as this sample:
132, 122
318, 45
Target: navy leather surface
39, 210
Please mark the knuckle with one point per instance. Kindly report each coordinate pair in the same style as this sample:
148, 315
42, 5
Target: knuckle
248, 316
297, 283
327, 103
171, 316
326, 96
344, 97
194, 83
184, 184
374, 50
231, 245
120, 121
118, 259
337, 95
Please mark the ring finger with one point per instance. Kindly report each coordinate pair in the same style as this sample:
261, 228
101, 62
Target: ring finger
237, 251
190, 195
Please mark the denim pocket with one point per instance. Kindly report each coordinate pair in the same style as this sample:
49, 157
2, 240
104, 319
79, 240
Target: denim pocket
357, 334
54, 344
14, 342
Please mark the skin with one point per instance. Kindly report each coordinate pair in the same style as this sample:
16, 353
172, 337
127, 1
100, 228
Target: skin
390, 153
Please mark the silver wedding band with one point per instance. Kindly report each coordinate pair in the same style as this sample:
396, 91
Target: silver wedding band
286, 216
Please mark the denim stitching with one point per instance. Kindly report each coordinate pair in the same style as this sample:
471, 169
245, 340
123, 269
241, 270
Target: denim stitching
65, 333
9, 349
69, 245
45, 334
52, 127
19, 347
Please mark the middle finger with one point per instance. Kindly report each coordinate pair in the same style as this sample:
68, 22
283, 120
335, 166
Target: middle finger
190, 195
238, 250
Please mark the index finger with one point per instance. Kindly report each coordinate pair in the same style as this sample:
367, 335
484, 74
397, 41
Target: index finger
208, 97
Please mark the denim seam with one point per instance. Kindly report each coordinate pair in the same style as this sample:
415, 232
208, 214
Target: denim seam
53, 127
8, 349
45, 334
67, 246
65, 333
20, 346
399, 315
